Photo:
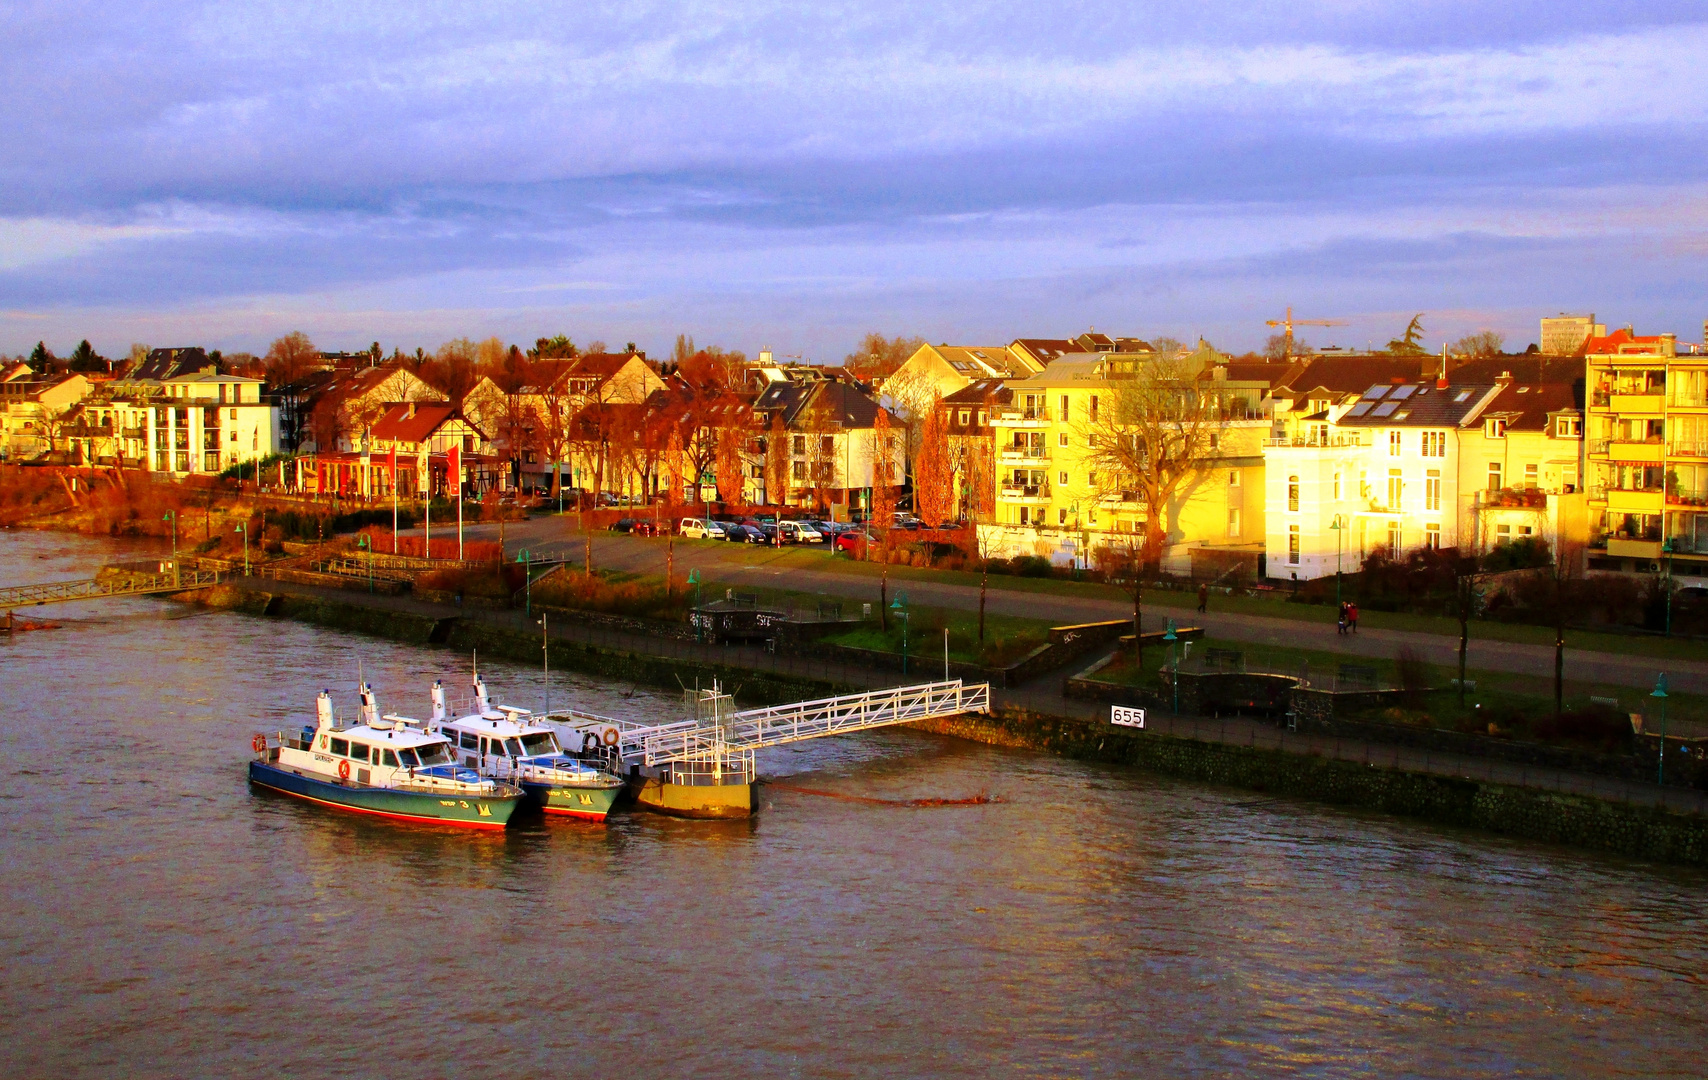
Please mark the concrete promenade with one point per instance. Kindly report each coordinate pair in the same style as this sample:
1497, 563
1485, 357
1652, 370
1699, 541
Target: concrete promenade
1043, 697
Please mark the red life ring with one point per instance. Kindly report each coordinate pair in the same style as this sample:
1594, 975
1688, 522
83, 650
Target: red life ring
611, 736
343, 770
259, 742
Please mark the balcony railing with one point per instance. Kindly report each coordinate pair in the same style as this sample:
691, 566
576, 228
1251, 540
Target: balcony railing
1687, 449
1023, 492
1024, 453
1023, 412
1524, 498
1337, 439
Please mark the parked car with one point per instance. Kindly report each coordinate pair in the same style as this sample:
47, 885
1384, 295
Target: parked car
623, 525
696, 529
850, 540
771, 533
795, 532
648, 528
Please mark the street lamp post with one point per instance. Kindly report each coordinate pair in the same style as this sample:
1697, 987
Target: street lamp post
364, 541
527, 562
699, 616
244, 529
1173, 640
1666, 546
1660, 692
172, 516
546, 659
899, 606
1339, 534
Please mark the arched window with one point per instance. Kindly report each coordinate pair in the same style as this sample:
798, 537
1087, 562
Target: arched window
1292, 493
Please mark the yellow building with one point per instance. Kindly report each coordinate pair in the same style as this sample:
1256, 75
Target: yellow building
1647, 432
1048, 503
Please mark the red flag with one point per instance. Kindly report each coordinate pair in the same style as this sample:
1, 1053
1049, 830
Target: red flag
454, 467
392, 464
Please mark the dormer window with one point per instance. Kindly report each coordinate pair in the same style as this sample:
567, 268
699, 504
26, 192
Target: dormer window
1495, 428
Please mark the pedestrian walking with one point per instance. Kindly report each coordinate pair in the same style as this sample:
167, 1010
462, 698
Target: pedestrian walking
1340, 620
1352, 617
1203, 598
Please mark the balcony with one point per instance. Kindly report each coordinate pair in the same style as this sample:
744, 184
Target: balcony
1125, 500
135, 433
1513, 498
1687, 449
1623, 500
1023, 455
1647, 452
1636, 549
1024, 416
1029, 493
1345, 438
1636, 404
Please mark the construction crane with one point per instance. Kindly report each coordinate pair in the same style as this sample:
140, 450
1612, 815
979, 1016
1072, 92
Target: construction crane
1289, 322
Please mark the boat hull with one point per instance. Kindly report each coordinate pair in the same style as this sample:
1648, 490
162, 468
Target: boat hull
695, 800
467, 812
586, 803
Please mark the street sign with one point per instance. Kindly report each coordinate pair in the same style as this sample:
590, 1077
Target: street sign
1126, 717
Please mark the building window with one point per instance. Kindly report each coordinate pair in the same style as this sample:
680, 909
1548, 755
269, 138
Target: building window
1503, 533
1336, 487
1061, 438
1396, 488
1435, 444
1094, 408
1233, 524
981, 418
1393, 444
1495, 473
1233, 478
800, 444
1495, 429
1393, 539
1025, 515
1432, 537
800, 470
1064, 408
1569, 427
1432, 490
234, 414
1061, 517
965, 416
827, 444
1530, 476
1292, 493
1215, 442
1061, 478
1293, 545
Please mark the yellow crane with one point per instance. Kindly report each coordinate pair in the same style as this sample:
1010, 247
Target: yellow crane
1289, 322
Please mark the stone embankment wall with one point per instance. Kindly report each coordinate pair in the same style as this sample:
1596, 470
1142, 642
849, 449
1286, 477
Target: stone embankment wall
1524, 812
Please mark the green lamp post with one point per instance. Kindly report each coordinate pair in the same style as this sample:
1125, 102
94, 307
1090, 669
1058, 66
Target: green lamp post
1660, 692
1173, 641
172, 516
699, 621
899, 606
1666, 547
364, 541
244, 529
527, 562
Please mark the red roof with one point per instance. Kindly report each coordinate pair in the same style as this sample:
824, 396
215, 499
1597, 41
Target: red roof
398, 425
1622, 336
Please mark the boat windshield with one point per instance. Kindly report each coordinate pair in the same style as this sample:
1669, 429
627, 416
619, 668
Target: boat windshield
435, 753
513, 747
537, 745
407, 756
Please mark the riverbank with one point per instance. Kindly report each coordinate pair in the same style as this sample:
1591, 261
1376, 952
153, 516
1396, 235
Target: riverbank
1437, 789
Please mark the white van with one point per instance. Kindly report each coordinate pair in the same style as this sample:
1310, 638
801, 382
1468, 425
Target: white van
695, 529
796, 533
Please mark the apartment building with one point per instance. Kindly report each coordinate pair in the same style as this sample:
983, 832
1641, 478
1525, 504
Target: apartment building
836, 451
1647, 453
1049, 502
37, 412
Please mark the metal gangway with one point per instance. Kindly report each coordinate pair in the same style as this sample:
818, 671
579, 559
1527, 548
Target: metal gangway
719, 742
171, 579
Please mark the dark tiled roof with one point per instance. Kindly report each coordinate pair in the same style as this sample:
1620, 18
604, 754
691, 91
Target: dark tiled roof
398, 425
169, 363
979, 391
1047, 349
1417, 404
1350, 374
1528, 406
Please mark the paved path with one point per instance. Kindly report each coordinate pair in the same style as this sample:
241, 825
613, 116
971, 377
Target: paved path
1044, 696
552, 537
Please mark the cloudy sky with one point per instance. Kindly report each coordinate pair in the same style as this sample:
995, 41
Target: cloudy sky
792, 176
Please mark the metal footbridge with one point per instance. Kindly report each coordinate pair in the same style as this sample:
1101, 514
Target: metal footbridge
109, 584
717, 745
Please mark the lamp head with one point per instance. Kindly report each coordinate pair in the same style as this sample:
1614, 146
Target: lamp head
1660, 686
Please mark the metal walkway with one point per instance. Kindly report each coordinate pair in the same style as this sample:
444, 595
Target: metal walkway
719, 742
100, 588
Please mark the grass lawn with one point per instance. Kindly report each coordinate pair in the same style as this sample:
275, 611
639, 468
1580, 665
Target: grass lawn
1521, 705
1007, 638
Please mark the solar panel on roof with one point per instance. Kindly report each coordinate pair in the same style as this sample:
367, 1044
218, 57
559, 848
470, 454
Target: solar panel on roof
1359, 409
1386, 408
1376, 391
1402, 392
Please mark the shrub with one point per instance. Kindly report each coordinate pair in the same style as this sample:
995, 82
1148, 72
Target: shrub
1598, 726
1414, 675
575, 589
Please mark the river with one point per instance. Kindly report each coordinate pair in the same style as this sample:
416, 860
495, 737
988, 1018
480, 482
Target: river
165, 920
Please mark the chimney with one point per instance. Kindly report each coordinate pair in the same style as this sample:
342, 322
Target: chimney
1441, 379
409, 414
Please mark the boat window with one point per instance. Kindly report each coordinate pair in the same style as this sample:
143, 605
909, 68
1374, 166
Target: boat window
340, 747
407, 756
391, 759
359, 751
436, 754
542, 743
514, 746
470, 742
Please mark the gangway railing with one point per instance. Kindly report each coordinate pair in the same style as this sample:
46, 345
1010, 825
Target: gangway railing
128, 584
755, 729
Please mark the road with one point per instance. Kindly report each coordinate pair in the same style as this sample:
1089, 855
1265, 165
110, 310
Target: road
731, 564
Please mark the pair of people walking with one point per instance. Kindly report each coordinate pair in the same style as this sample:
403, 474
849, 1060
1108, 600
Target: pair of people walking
1348, 623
